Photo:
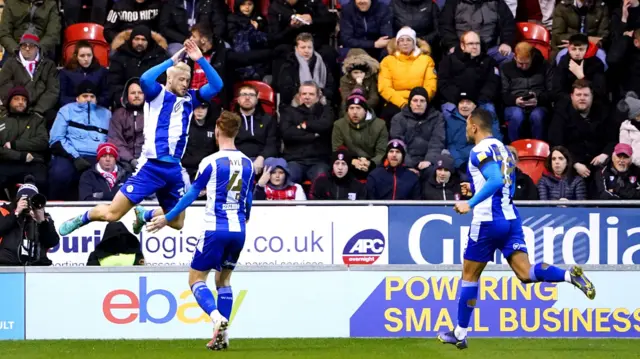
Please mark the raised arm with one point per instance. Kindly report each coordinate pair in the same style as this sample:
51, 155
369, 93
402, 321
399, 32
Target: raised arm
150, 87
208, 91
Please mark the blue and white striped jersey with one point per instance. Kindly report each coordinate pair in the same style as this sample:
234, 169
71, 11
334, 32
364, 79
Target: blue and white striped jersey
499, 205
166, 124
229, 175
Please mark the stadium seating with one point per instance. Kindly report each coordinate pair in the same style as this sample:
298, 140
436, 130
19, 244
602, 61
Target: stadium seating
266, 95
535, 34
92, 33
532, 154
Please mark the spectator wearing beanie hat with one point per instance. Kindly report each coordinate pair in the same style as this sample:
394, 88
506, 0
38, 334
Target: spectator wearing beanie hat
630, 128
442, 181
618, 177
362, 133
393, 180
37, 17
103, 180
340, 184
360, 71
78, 130
39, 75
408, 65
422, 129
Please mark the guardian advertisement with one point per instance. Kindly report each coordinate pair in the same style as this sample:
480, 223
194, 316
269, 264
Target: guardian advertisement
437, 235
295, 235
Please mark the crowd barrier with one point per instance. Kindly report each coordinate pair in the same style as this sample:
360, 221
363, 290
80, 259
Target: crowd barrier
310, 302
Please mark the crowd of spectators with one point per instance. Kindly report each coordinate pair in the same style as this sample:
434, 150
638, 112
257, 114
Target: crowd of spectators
377, 111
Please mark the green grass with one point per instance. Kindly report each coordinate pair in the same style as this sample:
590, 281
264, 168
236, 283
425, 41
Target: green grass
325, 349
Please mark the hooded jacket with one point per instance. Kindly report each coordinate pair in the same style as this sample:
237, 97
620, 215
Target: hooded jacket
424, 135
287, 191
311, 144
289, 79
434, 191
568, 20
361, 29
117, 243
369, 87
330, 187
537, 78
393, 183
279, 20
127, 14
126, 62
366, 139
400, 73
420, 15
70, 79
26, 133
94, 187
459, 73
552, 188
202, 143
43, 88
258, 135
612, 184
79, 129
630, 134
126, 127
19, 15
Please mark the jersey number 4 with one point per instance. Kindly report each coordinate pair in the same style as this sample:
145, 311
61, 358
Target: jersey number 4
235, 185
507, 165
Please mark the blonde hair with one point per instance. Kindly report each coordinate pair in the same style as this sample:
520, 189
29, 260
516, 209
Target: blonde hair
178, 68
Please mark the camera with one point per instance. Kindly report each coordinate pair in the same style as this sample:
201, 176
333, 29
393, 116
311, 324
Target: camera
29, 191
37, 201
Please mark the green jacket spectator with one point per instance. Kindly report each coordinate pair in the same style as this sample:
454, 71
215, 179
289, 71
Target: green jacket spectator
42, 17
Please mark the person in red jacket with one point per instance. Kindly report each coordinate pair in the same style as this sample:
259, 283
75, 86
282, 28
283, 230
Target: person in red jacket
275, 183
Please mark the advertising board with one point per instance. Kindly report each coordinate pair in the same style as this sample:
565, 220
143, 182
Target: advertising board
12, 306
296, 235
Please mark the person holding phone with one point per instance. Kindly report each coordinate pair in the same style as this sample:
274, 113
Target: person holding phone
526, 88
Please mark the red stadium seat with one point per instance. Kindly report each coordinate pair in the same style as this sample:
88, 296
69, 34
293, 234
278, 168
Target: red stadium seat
93, 34
266, 95
534, 168
535, 34
532, 154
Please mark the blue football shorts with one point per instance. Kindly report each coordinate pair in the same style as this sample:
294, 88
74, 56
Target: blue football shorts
487, 237
218, 250
165, 179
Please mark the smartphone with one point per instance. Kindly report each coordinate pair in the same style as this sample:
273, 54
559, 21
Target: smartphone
528, 97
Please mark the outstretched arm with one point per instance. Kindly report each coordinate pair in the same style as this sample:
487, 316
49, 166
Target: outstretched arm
148, 83
208, 91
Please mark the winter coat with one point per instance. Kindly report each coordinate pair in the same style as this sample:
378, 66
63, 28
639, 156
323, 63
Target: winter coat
420, 15
329, 187
244, 38
202, 143
15, 229
117, 241
459, 72
174, 18
624, 60
424, 135
585, 138
80, 128
17, 18
366, 139
611, 184
43, 89
552, 188
563, 78
618, 28
456, 135
517, 82
546, 8
491, 19
361, 29
568, 20
26, 133
526, 190
258, 135
400, 73
393, 183
94, 187
434, 191
279, 20
126, 129
70, 79
289, 79
127, 14
369, 85
308, 145
630, 134
126, 63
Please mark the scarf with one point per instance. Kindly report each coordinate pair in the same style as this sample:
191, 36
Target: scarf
319, 71
109, 176
30, 66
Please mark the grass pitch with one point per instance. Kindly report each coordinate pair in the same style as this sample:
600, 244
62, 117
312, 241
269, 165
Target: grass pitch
325, 349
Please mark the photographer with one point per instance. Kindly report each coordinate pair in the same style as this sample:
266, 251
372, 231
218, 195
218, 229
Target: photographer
26, 231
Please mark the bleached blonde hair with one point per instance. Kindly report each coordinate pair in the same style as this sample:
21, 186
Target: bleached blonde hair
178, 68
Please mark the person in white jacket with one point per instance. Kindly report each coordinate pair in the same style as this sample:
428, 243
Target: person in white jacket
630, 129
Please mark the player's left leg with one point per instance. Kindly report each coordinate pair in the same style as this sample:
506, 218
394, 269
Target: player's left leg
111, 212
168, 197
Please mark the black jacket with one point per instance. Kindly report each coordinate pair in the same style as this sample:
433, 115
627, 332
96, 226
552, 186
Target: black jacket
458, 73
116, 240
11, 238
420, 15
611, 184
585, 138
279, 18
26, 133
434, 191
526, 190
361, 29
563, 79
174, 20
552, 188
237, 21
127, 14
94, 187
258, 135
393, 183
624, 61
517, 82
308, 145
329, 187
202, 143
289, 79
